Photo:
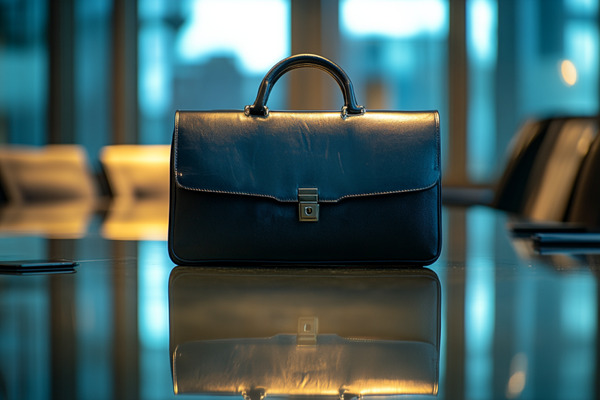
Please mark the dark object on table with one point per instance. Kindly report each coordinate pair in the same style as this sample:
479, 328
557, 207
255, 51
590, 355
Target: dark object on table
298, 187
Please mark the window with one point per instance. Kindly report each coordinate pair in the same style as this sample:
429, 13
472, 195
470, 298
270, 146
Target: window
205, 55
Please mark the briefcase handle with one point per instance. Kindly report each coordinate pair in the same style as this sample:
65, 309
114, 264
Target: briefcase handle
302, 61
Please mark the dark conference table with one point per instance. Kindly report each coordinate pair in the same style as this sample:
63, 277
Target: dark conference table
511, 322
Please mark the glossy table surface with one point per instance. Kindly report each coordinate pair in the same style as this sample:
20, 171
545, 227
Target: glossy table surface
511, 323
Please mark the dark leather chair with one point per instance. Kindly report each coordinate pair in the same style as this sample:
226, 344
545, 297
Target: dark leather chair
540, 176
585, 204
511, 189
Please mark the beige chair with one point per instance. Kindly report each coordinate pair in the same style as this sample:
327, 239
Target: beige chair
50, 191
43, 174
137, 171
138, 178
49, 173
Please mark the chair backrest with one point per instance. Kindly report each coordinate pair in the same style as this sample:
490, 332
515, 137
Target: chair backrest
557, 167
585, 204
137, 171
42, 174
510, 191
546, 157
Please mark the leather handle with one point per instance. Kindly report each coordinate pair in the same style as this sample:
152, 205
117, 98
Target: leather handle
302, 61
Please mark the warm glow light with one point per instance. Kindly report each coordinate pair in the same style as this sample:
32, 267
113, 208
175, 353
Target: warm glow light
585, 141
568, 72
137, 219
137, 170
518, 377
516, 384
57, 220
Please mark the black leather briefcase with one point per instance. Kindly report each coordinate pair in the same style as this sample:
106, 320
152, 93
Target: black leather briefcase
339, 333
356, 186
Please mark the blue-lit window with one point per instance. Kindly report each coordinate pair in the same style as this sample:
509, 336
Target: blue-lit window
482, 18
547, 65
92, 80
394, 19
23, 72
255, 34
205, 55
549, 84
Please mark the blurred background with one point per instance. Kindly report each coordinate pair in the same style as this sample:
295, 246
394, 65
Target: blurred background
102, 72
95, 73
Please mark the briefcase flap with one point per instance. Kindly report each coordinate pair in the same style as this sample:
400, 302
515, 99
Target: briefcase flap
379, 152
304, 332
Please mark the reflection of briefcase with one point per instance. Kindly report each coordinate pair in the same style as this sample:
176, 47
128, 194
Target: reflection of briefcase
258, 186
304, 332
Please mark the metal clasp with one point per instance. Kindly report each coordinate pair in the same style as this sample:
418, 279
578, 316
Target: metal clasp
308, 204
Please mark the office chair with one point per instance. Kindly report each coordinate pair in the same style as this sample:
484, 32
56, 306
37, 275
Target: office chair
511, 189
585, 204
138, 178
48, 191
540, 176
556, 170
137, 171
43, 174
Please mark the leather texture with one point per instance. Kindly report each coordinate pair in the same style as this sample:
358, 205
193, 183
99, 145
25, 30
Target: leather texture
375, 153
235, 179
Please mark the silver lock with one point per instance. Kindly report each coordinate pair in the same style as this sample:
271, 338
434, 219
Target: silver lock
308, 204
